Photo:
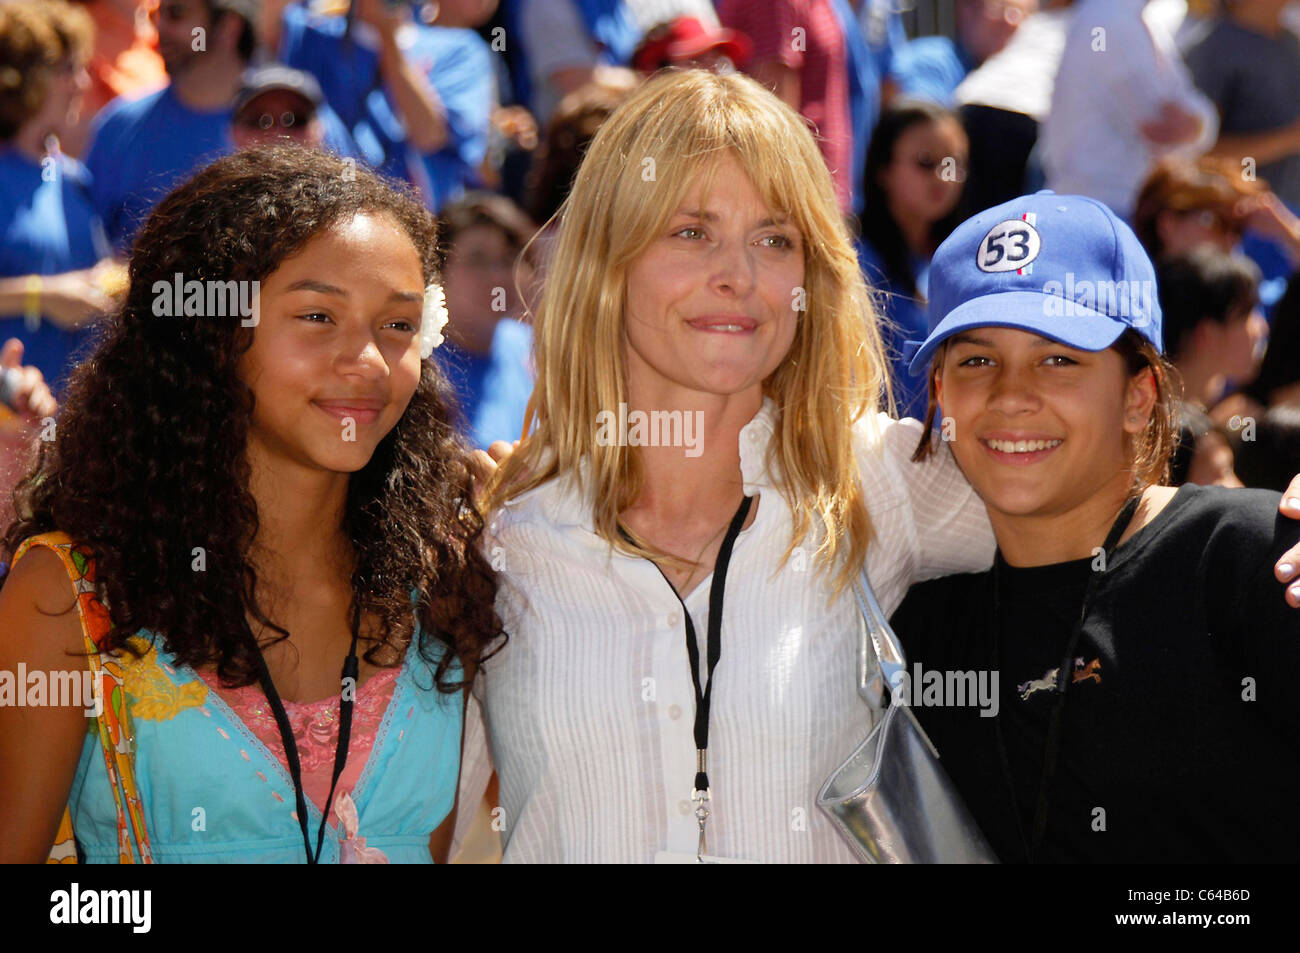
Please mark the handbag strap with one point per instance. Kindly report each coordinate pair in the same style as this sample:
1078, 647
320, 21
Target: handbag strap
116, 733
879, 642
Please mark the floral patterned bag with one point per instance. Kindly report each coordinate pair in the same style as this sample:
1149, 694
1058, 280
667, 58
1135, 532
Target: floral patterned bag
115, 732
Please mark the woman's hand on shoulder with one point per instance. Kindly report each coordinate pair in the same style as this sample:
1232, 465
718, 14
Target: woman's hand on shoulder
40, 630
483, 464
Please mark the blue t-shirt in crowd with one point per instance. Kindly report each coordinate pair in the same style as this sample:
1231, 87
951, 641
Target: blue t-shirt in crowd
931, 67
610, 27
906, 321
143, 148
458, 64
47, 226
493, 391
871, 37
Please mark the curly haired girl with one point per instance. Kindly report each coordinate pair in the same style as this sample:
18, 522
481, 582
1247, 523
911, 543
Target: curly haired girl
249, 501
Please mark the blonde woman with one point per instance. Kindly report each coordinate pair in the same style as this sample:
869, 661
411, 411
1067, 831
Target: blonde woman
680, 674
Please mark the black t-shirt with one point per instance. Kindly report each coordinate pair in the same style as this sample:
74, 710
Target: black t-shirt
1164, 757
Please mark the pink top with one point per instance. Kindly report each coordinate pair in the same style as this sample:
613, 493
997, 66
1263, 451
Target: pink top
315, 730
821, 60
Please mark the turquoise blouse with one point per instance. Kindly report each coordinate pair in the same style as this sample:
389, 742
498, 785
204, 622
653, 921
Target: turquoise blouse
213, 793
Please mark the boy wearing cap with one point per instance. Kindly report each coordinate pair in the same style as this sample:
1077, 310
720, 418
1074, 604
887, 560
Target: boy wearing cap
278, 103
1142, 652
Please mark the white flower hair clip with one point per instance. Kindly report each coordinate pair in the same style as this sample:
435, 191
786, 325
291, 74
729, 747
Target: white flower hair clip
433, 318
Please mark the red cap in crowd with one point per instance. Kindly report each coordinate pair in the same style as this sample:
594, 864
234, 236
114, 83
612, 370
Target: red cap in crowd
685, 38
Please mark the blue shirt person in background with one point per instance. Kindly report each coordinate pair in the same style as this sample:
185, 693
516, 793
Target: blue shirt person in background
48, 228
51, 293
872, 34
487, 356
143, 147
903, 305
932, 67
563, 42
417, 99
140, 149
916, 170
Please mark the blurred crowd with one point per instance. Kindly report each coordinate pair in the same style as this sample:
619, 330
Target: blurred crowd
1181, 115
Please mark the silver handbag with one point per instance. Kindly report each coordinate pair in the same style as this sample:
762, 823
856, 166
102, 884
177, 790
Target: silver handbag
891, 800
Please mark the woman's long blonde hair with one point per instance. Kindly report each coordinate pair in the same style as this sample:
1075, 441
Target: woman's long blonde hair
665, 139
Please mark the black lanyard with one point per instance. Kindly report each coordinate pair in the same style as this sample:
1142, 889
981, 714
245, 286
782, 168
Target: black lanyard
703, 695
714, 647
350, 667
1064, 676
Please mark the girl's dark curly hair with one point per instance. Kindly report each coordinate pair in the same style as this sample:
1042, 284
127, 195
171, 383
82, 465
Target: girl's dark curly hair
149, 460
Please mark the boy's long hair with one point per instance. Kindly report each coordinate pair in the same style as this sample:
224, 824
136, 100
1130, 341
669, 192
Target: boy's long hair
149, 462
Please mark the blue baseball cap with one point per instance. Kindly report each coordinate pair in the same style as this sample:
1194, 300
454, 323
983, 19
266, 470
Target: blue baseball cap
1063, 266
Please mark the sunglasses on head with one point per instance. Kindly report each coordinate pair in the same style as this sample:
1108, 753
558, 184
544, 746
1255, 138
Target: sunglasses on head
286, 120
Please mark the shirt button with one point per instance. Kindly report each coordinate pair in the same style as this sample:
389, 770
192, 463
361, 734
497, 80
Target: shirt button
684, 807
673, 619
674, 712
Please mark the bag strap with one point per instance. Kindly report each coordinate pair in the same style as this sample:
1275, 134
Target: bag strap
116, 732
880, 656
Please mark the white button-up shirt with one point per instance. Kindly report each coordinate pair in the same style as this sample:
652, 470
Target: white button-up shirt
1116, 70
589, 709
